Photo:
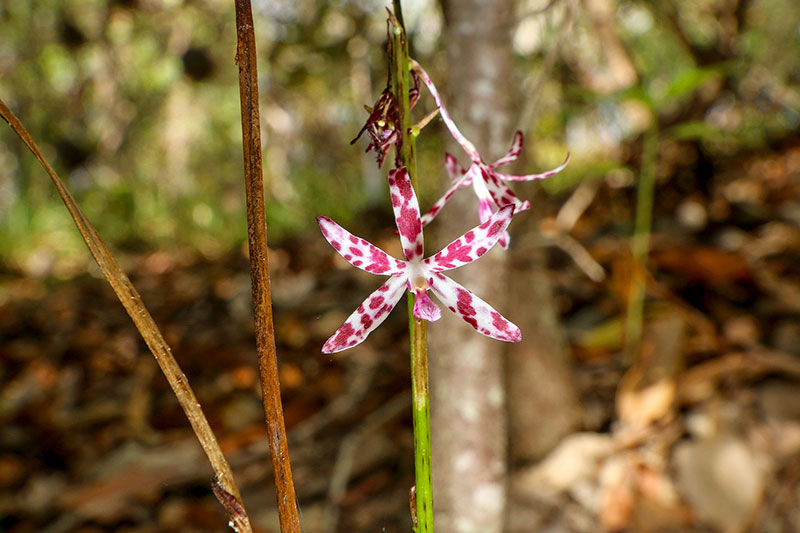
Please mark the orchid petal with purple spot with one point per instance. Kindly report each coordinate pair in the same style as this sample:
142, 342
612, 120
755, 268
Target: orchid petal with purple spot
473, 244
473, 310
464, 181
540, 176
513, 152
485, 200
504, 239
468, 147
369, 315
406, 213
454, 169
358, 252
502, 195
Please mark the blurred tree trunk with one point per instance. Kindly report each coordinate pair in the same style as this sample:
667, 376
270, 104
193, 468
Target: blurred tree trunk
472, 415
468, 392
543, 401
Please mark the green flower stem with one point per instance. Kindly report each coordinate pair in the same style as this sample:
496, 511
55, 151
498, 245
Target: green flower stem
417, 327
641, 241
400, 81
422, 420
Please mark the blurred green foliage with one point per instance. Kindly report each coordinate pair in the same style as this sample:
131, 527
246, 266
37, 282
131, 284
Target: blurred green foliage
136, 103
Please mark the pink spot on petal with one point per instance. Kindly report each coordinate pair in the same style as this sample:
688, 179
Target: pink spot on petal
405, 188
344, 333
376, 302
499, 322
379, 262
496, 228
408, 223
465, 303
456, 251
383, 310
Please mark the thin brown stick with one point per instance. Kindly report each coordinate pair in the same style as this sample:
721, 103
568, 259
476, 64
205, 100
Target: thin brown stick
133, 304
259, 268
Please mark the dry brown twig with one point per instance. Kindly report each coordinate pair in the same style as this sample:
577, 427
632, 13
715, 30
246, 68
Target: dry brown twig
133, 304
259, 268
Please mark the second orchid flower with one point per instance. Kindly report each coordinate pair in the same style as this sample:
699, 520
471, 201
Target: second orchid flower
485, 179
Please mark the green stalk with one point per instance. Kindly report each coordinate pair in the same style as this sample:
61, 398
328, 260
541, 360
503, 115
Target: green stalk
423, 522
422, 421
641, 241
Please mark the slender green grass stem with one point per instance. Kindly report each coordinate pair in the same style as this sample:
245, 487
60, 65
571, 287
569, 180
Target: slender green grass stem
422, 420
641, 241
417, 328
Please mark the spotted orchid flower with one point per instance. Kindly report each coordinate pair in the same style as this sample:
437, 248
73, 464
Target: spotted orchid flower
485, 179
415, 273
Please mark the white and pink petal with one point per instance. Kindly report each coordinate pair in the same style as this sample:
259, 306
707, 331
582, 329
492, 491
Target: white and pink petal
454, 169
504, 239
513, 152
540, 176
501, 194
369, 315
406, 213
468, 147
463, 181
359, 252
473, 244
480, 177
473, 310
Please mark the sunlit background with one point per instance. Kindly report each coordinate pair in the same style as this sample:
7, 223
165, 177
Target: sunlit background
136, 105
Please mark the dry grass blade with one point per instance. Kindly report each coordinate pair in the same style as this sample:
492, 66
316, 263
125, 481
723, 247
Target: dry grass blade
133, 304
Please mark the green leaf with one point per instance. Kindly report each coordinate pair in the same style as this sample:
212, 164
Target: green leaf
694, 130
686, 83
